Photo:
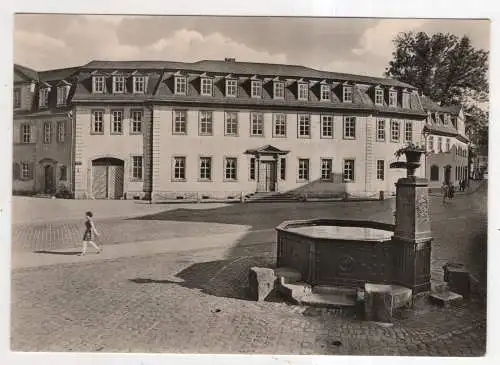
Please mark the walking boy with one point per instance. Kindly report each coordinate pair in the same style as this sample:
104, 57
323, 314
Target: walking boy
90, 230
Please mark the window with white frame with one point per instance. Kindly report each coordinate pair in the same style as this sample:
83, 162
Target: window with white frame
440, 144
136, 168
118, 84
347, 94
180, 85
26, 136
116, 121
136, 123
231, 127
180, 122
393, 98
251, 173
304, 127
381, 130
406, 100
231, 88
98, 84
325, 93
303, 91
63, 173
283, 168
62, 95
230, 168
206, 123
206, 86
279, 125
408, 131
379, 96
179, 168
25, 170
205, 168
139, 84
44, 97
395, 130
47, 132
430, 144
380, 170
303, 169
279, 90
256, 89
349, 170
17, 98
256, 124
349, 127
327, 126
326, 168
98, 121
448, 145
61, 131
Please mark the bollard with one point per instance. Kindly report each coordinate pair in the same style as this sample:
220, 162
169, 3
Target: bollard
381, 195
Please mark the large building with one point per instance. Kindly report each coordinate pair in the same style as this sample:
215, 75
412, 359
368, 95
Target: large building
213, 129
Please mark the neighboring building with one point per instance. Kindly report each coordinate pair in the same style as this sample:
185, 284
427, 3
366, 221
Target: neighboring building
42, 130
447, 145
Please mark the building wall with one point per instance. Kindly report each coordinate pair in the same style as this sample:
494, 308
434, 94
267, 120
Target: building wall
452, 158
27, 95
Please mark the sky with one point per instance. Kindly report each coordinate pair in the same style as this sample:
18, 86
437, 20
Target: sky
351, 45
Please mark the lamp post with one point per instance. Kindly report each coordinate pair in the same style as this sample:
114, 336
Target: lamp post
425, 132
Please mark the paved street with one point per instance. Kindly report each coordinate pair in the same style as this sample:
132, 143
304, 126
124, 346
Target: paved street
173, 294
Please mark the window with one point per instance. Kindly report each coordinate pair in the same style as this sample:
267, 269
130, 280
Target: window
448, 142
63, 173
380, 170
205, 168
231, 128
98, 84
44, 98
17, 98
61, 131
230, 168
379, 97
136, 167
381, 130
62, 94
457, 174
303, 169
180, 85
136, 126
283, 169
393, 98
279, 125
118, 84
26, 173
395, 131
256, 89
179, 168
327, 126
97, 121
406, 100
206, 123
180, 122
256, 124
26, 133
349, 127
279, 90
303, 91
139, 83
47, 132
325, 93
304, 125
231, 88
408, 131
434, 173
326, 168
440, 144
116, 121
347, 94
430, 144
252, 169
348, 170
206, 86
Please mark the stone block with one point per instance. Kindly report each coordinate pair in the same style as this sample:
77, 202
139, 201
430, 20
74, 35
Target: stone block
287, 275
458, 278
378, 303
401, 297
446, 299
261, 282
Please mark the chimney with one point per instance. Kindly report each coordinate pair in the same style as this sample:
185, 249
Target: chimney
229, 59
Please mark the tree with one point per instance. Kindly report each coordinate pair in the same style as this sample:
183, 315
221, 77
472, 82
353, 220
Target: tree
444, 67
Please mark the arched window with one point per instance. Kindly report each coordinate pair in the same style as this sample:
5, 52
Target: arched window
434, 173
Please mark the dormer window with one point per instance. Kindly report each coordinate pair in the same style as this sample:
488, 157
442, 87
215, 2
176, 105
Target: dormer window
279, 90
180, 85
379, 96
256, 89
44, 97
347, 94
139, 84
118, 84
393, 98
325, 93
206, 86
62, 94
406, 100
231, 88
303, 91
17, 98
98, 86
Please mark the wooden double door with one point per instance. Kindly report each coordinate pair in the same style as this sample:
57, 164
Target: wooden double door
267, 176
107, 178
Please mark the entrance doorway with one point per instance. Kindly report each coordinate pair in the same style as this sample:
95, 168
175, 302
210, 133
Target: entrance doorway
49, 179
107, 178
267, 176
447, 174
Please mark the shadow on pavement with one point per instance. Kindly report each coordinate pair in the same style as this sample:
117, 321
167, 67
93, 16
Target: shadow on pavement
68, 253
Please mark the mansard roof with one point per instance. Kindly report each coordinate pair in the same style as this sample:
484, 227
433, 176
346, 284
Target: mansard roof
26, 72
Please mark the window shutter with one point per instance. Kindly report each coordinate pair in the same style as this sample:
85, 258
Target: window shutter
17, 133
16, 171
31, 168
34, 132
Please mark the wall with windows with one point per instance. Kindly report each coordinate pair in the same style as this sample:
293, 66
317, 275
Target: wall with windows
24, 155
108, 131
456, 157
